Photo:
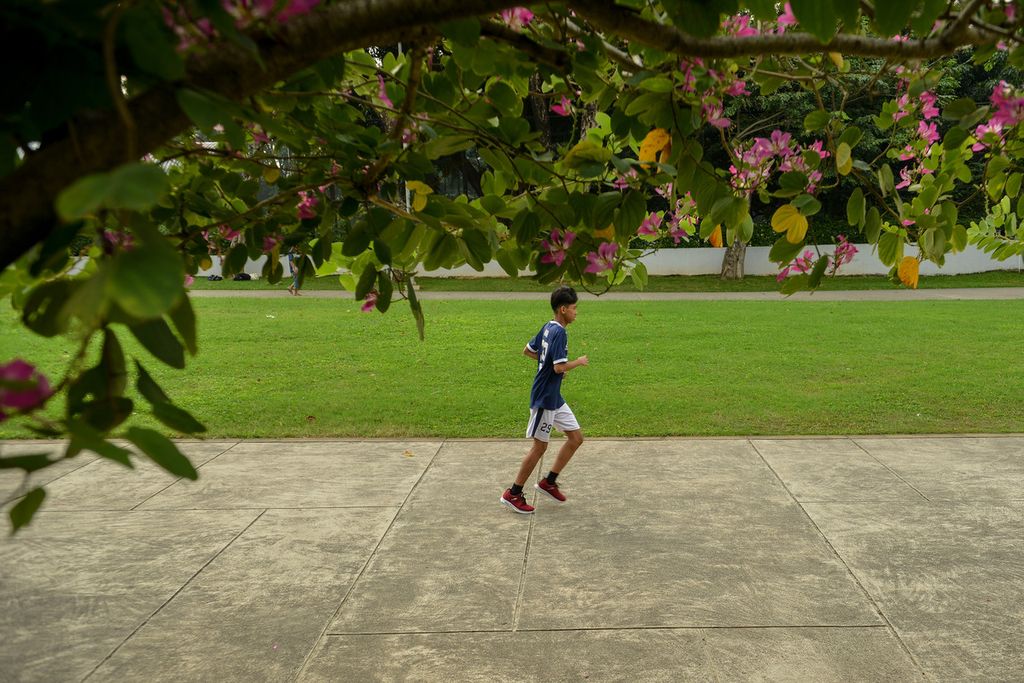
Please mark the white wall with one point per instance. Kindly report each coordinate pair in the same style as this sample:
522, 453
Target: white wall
707, 261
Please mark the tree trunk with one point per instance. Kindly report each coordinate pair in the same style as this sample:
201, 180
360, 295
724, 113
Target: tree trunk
732, 263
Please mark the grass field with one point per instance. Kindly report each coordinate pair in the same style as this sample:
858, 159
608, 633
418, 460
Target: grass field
320, 368
688, 283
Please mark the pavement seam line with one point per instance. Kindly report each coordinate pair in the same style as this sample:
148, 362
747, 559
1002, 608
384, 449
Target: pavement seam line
176, 593
894, 472
139, 504
369, 558
583, 629
849, 570
526, 555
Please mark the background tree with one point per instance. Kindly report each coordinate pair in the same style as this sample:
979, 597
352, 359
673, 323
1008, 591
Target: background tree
158, 131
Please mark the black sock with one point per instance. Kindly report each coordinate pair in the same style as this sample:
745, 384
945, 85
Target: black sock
517, 490
552, 476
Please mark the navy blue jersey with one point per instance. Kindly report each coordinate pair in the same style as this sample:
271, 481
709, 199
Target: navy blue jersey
552, 347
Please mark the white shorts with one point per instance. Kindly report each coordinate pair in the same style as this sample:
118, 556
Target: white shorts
543, 421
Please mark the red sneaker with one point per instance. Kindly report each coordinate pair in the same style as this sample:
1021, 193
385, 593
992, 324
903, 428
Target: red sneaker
551, 489
517, 503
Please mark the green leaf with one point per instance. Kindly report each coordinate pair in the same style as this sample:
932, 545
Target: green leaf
817, 119
465, 32
162, 451
784, 251
147, 281
151, 43
851, 136
892, 17
505, 99
83, 197
156, 336
416, 309
817, 17
113, 365
959, 108
890, 248
661, 84
201, 109
817, 272
697, 17
856, 208
630, 214
959, 238
844, 159
85, 438
184, 319
135, 186
762, 9
848, 12
885, 179
366, 281
385, 290
794, 284
177, 419
954, 137
807, 204
872, 225
22, 513
382, 251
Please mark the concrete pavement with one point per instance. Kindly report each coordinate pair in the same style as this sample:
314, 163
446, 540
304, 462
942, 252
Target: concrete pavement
805, 559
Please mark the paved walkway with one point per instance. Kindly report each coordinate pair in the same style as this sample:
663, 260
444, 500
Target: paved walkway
850, 295
812, 559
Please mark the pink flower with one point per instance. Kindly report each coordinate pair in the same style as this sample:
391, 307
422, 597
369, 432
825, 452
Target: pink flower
189, 280
903, 107
370, 301
22, 387
905, 176
713, 114
382, 92
227, 232
844, 253
296, 8
335, 169
818, 147
1010, 10
787, 18
1009, 109
560, 241
115, 239
737, 88
738, 25
622, 182
305, 207
516, 18
603, 259
563, 108
783, 274
928, 131
650, 225
982, 131
270, 242
928, 108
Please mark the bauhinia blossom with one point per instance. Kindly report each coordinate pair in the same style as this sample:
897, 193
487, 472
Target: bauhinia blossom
556, 246
563, 108
650, 225
270, 242
1008, 105
370, 301
22, 387
382, 92
305, 207
516, 18
603, 259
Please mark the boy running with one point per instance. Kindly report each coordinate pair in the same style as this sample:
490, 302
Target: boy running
550, 348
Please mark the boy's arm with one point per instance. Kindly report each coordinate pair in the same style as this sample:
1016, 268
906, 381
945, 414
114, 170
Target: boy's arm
562, 368
527, 351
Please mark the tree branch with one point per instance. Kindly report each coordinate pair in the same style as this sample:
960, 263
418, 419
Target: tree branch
607, 16
28, 194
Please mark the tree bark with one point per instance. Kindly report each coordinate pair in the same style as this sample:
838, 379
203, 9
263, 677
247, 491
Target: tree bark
732, 262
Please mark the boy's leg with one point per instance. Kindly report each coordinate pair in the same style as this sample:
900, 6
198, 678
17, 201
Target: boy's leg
530, 461
573, 440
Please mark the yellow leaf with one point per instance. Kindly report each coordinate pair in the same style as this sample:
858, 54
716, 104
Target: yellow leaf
789, 220
908, 271
271, 174
418, 187
419, 202
606, 234
844, 159
837, 59
655, 141
715, 238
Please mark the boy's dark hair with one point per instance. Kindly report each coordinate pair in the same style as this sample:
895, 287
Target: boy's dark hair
563, 296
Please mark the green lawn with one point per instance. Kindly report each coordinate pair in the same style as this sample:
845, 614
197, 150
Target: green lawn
320, 368
681, 283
